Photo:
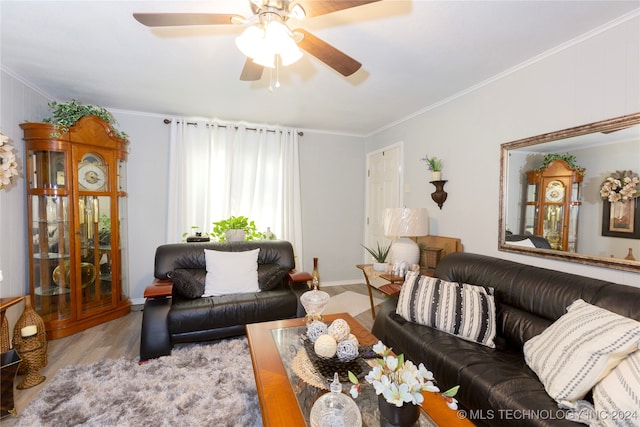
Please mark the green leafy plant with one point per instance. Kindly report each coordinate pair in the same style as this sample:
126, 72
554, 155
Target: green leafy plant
379, 253
433, 163
236, 223
569, 158
66, 114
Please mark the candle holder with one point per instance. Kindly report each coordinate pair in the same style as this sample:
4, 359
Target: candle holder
439, 196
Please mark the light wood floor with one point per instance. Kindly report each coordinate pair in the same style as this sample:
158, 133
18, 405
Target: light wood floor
121, 338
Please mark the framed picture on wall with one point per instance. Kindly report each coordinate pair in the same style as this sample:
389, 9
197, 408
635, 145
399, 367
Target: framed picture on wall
621, 219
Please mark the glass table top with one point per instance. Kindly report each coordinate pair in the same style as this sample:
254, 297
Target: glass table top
289, 344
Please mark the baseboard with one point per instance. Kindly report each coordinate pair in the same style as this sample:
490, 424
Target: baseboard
342, 282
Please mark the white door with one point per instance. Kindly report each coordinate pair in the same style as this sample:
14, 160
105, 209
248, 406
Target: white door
383, 191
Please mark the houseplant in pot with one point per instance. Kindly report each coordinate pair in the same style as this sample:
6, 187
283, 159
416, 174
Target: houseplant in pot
236, 228
399, 384
379, 254
434, 165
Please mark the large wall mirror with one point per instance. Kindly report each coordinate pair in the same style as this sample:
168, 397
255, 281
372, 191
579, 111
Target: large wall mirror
538, 211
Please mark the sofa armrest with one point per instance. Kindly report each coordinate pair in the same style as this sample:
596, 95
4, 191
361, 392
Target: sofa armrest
297, 277
154, 337
159, 289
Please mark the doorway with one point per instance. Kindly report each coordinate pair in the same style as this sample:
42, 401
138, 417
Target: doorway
384, 180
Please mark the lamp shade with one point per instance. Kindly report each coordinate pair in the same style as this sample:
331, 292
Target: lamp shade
406, 222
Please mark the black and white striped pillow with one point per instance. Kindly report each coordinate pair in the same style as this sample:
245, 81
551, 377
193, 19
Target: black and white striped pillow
579, 349
466, 311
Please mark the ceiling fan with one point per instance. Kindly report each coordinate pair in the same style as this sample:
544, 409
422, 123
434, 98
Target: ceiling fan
267, 35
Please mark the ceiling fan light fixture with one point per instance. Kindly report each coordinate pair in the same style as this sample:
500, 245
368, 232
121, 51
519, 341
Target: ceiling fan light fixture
290, 54
262, 45
251, 42
279, 40
297, 12
266, 59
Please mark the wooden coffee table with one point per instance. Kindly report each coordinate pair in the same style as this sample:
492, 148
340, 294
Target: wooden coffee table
278, 402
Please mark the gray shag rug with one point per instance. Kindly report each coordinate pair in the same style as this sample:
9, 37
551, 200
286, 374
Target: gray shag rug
198, 385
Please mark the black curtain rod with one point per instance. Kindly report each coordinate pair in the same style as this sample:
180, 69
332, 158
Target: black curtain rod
168, 121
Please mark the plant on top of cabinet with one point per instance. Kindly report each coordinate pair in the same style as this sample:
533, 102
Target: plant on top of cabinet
569, 158
66, 114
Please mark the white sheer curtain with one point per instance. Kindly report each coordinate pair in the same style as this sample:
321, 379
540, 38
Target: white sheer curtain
222, 169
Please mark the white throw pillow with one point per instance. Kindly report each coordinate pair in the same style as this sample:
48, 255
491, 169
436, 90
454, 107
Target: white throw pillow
579, 349
466, 311
617, 397
231, 272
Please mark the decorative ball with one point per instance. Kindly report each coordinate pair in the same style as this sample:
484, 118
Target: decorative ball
339, 329
325, 346
353, 338
315, 329
347, 350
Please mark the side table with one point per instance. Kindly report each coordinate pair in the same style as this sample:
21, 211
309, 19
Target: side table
392, 288
5, 303
10, 361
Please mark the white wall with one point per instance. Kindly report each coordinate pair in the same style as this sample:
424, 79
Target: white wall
332, 169
332, 175
147, 167
595, 79
592, 80
18, 103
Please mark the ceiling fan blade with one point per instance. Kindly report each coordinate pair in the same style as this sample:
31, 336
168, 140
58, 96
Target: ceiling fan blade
251, 71
317, 8
334, 58
180, 19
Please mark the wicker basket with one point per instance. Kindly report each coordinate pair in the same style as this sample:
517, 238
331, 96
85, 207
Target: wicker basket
31, 354
4, 335
30, 317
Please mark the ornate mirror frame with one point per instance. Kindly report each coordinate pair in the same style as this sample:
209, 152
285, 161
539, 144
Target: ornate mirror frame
558, 138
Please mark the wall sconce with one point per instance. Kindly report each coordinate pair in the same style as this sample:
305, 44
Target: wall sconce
439, 196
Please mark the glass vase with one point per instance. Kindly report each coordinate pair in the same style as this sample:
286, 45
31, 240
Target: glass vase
315, 276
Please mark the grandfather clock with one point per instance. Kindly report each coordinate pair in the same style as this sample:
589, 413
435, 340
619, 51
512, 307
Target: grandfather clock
77, 216
552, 204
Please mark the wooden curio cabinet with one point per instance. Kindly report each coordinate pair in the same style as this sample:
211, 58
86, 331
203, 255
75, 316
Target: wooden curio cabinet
552, 202
77, 207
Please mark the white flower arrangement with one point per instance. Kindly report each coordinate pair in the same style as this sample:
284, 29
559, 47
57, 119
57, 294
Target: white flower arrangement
401, 381
620, 186
8, 162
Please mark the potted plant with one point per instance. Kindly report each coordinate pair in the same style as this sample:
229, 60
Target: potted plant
434, 165
236, 228
66, 114
569, 158
399, 384
379, 254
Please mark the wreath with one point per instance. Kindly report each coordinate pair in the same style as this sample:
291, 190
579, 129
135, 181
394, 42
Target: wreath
620, 186
8, 163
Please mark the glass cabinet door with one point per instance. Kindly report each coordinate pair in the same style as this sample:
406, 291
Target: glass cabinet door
51, 256
47, 169
95, 272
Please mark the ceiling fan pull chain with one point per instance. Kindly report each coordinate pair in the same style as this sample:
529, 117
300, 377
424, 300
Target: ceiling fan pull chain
278, 59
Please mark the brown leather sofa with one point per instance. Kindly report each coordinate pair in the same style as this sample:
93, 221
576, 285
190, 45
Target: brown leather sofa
170, 320
497, 388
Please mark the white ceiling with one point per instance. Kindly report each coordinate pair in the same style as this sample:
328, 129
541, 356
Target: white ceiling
414, 55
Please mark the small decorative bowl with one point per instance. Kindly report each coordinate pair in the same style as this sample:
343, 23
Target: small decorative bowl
314, 303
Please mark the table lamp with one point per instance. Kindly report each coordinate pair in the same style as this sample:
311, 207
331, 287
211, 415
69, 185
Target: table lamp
402, 223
